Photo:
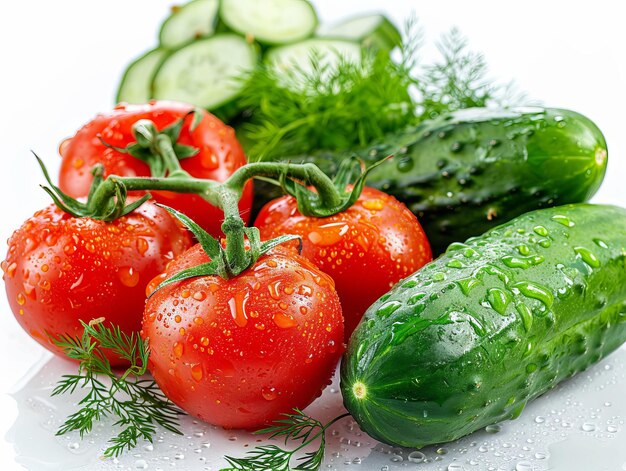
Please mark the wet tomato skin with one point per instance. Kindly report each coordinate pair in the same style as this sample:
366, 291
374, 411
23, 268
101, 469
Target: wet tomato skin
60, 269
365, 249
238, 353
220, 154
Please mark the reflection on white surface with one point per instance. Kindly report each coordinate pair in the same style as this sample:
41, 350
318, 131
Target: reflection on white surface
579, 426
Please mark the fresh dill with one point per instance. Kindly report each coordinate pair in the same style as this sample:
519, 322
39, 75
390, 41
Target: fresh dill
297, 427
341, 105
136, 402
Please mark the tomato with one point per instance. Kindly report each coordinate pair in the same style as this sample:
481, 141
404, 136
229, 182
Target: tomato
220, 154
365, 249
239, 352
61, 269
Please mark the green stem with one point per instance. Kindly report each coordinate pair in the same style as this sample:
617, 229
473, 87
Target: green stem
165, 149
308, 173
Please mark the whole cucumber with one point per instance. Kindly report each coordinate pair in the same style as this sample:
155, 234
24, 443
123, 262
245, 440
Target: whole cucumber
467, 340
466, 172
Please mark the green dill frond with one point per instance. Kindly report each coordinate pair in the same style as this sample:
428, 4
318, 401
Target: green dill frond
342, 105
297, 427
137, 403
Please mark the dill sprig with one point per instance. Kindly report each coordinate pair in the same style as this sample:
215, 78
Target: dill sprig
296, 427
137, 403
333, 106
457, 81
342, 105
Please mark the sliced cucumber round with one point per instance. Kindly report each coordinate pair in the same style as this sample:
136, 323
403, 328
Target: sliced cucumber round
190, 21
270, 21
372, 31
207, 72
135, 84
305, 57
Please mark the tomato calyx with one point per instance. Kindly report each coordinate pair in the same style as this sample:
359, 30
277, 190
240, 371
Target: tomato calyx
229, 261
160, 150
309, 202
107, 209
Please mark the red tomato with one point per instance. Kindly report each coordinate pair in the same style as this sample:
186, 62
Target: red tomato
240, 352
366, 249
60, 269
220, 154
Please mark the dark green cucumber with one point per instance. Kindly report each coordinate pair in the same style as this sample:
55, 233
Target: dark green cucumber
469, 171
466, 341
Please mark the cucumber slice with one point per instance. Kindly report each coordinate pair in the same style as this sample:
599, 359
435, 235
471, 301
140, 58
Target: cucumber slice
270, 21
192, 20
207, 72
296, 59
135, 84
375, 31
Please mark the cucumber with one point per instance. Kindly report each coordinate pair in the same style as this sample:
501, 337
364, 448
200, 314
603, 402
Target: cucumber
187, 22
208, 73
135, 84
467, 340
468, 171
270, 22
371, 31
296, 60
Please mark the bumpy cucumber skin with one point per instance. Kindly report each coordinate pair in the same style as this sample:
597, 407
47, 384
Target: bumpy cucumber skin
467, 340
466, 172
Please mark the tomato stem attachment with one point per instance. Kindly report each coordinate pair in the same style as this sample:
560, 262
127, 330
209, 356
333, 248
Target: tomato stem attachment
160, 150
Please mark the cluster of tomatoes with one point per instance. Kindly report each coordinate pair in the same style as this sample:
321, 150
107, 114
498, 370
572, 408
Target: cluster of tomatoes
235, 352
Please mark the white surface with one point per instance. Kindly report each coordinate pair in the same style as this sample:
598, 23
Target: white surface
61, 62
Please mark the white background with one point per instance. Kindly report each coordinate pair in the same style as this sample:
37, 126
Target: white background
60, 62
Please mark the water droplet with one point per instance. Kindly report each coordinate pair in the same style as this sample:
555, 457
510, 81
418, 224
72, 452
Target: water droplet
128, 276
467, 284
495, 428
179, 456
237, 306
375, 204
397, 459
540, 230
483, 449
178, 349
199, 296
142, 245
269, 393
73, 446
196, 371
600, 243
455, 467
148, 447
416, 457
540, 419
525, 314
21, 298
535, 291
284, 321
588, 427
141, 464
498, 299
388, 308
588, 257
611, 428
540, 456
455, 264
563, 220
524, 466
